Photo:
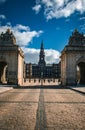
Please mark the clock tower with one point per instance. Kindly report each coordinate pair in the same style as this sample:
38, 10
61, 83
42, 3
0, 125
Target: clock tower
42, 56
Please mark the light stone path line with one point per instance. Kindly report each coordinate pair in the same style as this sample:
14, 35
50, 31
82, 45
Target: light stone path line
78, 91
42, 109
41, 115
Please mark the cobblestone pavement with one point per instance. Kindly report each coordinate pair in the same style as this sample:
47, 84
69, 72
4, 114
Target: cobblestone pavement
4, 89
42, 109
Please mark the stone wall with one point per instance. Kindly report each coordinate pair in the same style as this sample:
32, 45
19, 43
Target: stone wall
11, 59
69, 61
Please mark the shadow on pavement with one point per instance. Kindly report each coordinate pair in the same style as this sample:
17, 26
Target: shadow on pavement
51, 87
40, 87
78, 91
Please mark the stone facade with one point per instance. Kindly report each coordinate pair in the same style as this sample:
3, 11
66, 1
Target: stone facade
11, 60
13, 69
42, 70
73, 56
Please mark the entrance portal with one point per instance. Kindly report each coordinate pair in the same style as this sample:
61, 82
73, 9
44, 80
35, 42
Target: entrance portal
72, 57
81, 72
3, 72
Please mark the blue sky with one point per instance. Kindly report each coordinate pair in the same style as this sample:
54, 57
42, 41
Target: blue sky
52, 21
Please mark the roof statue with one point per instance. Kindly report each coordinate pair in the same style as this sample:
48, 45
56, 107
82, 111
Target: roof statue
77, 38
8, 31
7, 37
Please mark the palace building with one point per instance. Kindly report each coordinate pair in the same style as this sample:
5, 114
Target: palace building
42, 70
14, 70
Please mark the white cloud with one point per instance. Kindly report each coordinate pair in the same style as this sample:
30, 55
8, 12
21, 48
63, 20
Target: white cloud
37, 8
22, 33
21, 27
52, 56
61, 8
32, 55
24, 36
2, 16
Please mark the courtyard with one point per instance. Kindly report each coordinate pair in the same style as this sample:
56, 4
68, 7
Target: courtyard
42, 108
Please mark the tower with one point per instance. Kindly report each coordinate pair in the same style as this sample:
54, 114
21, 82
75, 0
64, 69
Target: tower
42, 56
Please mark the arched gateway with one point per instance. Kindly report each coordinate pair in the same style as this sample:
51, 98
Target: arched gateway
11, 60
73, 60
3, 72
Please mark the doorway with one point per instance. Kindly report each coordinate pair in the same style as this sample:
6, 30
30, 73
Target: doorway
3, 72
81, 73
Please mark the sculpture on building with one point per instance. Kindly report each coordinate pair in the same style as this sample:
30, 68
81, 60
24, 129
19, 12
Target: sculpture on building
7, 37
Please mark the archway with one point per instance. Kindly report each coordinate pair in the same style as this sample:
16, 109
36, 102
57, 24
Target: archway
81, 73
3, 72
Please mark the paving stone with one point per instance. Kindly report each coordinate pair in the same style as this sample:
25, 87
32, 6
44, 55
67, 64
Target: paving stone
42, 109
